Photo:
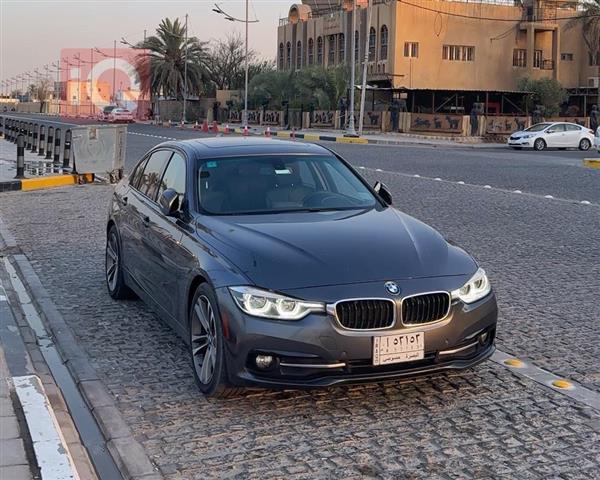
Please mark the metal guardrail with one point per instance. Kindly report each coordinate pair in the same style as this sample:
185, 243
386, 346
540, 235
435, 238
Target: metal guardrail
51, 143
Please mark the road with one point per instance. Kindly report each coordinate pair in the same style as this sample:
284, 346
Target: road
543, 258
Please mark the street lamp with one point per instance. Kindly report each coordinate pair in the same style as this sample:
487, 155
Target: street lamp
351, 131
114, 57
231, 18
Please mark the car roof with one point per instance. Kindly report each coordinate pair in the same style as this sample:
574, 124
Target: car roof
240, 146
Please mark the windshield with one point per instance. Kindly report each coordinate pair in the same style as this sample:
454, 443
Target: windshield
538, 127
109, 109
279, 183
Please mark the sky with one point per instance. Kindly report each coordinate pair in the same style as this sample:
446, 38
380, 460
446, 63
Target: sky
33, 32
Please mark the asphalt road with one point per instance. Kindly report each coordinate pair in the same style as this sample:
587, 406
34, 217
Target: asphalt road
543, 258
558, 172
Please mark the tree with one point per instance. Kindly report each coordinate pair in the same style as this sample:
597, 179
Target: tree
547, 92
161, 67
226, 63
590, 28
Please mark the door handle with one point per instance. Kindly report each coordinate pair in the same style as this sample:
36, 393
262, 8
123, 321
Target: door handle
124, 200
146, 220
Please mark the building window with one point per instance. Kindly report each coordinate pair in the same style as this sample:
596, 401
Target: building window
319, 50
537, 59
281, 56
519, 57
383, 43
331, 50
458, 53
566, 57
372, 41
356, 47
288, 55
594, 62
298, 55
411, 49
311, 51
342, 48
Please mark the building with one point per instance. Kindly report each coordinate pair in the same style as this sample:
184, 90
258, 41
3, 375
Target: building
446, 55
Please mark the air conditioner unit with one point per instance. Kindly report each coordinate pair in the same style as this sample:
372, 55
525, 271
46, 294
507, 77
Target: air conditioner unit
593, 82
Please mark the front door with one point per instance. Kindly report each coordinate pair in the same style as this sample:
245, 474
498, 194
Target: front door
556, 136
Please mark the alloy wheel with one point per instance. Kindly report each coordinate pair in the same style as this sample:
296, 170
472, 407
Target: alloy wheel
204, 339
112, 261
585, 144
539, 144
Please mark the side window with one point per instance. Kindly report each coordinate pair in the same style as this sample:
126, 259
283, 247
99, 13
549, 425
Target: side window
134, 181
155, 166
174, 177
557, 128
573, 128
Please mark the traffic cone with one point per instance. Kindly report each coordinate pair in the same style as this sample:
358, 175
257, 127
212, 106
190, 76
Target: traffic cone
293, 134
181, 125
205, 126
268, 132
196, 125
169, 123
246, 131
215, 127
226, 128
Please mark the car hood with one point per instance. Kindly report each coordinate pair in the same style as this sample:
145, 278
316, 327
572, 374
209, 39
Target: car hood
299, 250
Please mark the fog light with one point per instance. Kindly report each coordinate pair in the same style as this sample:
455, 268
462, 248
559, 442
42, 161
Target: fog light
264, 361
483, 338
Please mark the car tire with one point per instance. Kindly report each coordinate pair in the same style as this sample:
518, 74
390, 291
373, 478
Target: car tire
207, 345
539, 144
115, 281
585, 145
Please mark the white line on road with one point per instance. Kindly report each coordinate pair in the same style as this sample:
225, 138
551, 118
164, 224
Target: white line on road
487, 187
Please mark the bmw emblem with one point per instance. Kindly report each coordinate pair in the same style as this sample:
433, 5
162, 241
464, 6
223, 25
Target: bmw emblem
392, 287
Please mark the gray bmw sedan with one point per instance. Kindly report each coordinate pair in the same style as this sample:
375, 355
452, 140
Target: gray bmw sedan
281, 267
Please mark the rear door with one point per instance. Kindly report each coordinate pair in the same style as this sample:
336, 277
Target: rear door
142, 209
573, 135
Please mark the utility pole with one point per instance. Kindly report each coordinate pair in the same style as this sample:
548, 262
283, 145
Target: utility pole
351, 131
91, 81
363, 91
185, 67
114, 71
245, 114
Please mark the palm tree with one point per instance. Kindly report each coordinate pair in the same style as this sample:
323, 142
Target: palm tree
161, 67
590, 26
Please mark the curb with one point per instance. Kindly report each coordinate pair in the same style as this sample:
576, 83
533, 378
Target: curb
311, 137
127, 452
591, 162
46, 182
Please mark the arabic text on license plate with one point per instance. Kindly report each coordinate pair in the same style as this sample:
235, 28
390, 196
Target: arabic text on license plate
398, 348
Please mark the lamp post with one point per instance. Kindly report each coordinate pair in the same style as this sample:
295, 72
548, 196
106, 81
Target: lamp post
114, 57
185, 68
363, 91
351, 130
220, 11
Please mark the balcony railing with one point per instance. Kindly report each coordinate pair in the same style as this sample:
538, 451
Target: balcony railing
547, 65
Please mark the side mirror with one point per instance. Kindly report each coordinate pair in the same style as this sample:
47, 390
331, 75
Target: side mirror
169, 202
383, 192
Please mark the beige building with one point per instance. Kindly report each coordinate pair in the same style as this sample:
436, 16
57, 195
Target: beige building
446, 55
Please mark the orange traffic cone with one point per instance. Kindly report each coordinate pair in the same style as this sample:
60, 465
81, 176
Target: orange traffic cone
215, 127
293, 134
268, 132
226, 129
205, 126
246, 131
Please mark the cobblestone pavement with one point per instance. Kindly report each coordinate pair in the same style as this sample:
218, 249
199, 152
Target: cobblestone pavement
543, 258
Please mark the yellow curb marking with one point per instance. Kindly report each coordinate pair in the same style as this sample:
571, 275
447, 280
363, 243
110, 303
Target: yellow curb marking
564, 384
514, 362
283, 134
591, 162
55, 181
312, 137
351, 140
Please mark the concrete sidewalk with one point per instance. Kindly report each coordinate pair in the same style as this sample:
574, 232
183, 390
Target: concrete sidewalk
377, 138
14, 464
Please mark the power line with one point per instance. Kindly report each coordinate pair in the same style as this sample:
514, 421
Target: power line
492, 19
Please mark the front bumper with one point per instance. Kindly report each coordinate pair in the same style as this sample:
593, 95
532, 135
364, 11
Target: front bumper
521, 142
317, 352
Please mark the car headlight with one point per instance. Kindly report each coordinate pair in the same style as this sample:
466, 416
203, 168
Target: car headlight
475, 289
527, 136
262, 303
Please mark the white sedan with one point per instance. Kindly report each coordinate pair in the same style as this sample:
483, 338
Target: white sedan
120, 115
598, 139
553, 135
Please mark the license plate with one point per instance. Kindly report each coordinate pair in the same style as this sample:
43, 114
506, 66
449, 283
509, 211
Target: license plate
390, 349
